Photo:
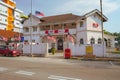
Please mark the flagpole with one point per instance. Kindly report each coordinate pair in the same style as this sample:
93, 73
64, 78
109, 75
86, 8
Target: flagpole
102, 25
31, 30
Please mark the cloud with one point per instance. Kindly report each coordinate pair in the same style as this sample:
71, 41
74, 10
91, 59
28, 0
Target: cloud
84, 6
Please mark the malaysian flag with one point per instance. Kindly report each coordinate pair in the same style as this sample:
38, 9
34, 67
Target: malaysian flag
38, 13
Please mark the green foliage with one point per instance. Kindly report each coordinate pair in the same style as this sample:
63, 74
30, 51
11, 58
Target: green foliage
106, 32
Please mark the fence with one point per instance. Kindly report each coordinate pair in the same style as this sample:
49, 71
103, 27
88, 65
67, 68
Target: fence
37, 49
80, 50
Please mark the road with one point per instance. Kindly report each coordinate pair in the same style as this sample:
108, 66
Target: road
37, 68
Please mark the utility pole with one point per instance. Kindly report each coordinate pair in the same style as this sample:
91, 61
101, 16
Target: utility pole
102, 25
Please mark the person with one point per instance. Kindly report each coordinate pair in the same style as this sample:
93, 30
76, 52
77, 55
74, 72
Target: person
53, 50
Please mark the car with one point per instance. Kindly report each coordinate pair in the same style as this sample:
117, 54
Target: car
9, 51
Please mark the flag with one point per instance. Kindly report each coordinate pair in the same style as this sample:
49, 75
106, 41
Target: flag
39, 13
70, 37
5, 39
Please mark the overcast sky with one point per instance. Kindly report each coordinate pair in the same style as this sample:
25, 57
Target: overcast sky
111, 9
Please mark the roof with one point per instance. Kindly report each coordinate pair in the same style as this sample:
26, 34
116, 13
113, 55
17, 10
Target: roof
30, 15
60, 18
98, 12
8, 34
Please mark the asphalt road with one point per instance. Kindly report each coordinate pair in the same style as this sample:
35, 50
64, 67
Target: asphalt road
37, 68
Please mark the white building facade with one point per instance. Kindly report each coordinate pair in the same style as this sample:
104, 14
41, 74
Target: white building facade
84, 29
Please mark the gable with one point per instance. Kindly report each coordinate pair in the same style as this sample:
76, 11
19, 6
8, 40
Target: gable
31, 21
98, 13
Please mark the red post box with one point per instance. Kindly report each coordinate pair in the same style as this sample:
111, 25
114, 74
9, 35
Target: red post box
67, 53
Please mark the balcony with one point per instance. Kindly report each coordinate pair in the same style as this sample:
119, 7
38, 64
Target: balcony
58, 32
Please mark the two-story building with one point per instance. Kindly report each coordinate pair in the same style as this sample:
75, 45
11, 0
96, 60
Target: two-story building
85, 29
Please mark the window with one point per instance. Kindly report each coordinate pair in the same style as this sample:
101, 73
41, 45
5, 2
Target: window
5, 20
47, 26
109, 43
99, 41
81, 41
92, 41
5, 11
81, 24
55, 25
95, 15
34, 29
26, 41
26, 29
33, 40
63, 24
16, 23
17, 16
73, 24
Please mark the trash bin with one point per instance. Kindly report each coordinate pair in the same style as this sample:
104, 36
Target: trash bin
67, 54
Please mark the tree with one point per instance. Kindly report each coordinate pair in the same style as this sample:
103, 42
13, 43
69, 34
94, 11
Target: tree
118, 38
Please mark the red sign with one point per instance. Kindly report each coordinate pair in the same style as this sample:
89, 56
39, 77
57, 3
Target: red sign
66, 30
95, 25
46, 32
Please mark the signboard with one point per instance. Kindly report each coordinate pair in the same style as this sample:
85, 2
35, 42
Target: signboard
89, 50
22, 39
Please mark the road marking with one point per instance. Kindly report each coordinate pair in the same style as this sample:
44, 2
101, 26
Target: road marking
111, 62
3, 69
25, 73
53, 77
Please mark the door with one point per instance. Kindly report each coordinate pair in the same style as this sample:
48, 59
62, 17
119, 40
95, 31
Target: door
60, 44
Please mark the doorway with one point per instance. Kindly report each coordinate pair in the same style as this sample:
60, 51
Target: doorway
60, 44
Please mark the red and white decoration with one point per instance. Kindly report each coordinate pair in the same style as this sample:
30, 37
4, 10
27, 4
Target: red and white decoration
51, 38
95, 25
56, 31
71, 38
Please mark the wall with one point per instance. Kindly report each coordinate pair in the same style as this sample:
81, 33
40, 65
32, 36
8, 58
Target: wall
3, 9
3, 20
80, 50
94, 19
95, 35
41, 48
2, 26
83, 35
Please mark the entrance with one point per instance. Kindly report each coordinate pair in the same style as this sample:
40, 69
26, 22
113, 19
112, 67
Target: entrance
60, 44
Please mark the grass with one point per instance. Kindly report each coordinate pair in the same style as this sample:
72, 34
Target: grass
116, 52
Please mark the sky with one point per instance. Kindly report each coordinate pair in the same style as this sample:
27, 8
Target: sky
111, 9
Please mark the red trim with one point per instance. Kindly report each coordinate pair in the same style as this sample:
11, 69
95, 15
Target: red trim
66, 30
55, 31
46, 32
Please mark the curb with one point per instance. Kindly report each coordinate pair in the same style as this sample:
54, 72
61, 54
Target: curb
95, 59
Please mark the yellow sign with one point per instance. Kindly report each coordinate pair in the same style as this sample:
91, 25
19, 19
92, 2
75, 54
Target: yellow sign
89, 50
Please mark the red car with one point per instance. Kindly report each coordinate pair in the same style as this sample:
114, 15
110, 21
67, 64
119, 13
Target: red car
9, 51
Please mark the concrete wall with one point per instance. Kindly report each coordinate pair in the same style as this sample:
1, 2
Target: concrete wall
80, 50
93, 19
95, 35
39, 49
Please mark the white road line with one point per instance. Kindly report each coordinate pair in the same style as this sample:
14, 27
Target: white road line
25, 73
111, 62
3, 69
53, 77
